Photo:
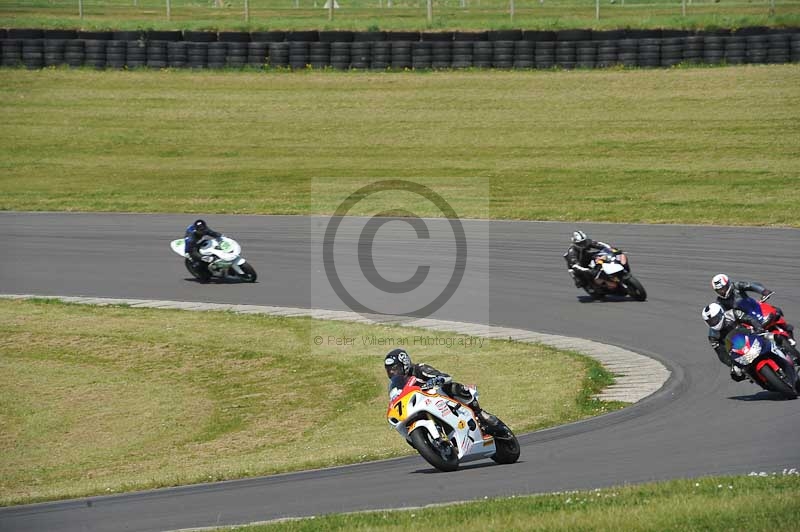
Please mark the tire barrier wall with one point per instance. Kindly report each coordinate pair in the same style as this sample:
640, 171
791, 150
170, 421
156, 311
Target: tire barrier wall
343, 50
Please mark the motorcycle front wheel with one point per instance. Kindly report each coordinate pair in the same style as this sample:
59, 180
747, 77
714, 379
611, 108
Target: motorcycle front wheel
441, 456
777, 384
507, 448
248, 273
635, 288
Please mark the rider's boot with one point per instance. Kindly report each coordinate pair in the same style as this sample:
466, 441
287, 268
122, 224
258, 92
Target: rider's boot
788, 346
489, 422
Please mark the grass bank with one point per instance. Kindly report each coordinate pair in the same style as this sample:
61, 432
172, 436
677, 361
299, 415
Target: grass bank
403, 15
746, 504
692, 145
98, 400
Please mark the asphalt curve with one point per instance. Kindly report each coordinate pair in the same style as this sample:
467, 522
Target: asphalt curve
700, 423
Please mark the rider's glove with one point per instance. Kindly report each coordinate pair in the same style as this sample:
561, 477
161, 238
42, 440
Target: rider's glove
435, 381
737, 374
766, 294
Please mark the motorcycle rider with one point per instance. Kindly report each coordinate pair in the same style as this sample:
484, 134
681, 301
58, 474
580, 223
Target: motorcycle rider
720, 323
398, 363
196, 234
728, 290
580, 254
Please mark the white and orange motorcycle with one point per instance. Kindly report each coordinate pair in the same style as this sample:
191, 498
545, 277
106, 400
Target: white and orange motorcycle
444, 431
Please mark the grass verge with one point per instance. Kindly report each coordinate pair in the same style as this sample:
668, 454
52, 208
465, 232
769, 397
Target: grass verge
403, 15
100, 400
746, 504
651, 146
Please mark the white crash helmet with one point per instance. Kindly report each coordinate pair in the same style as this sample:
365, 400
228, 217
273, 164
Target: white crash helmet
722, 285
713, 315
580, 239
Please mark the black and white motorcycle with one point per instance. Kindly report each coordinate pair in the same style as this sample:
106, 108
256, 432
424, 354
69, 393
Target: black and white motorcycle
222, 257
611, 275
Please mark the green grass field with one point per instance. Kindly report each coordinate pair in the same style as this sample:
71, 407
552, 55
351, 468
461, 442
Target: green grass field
403, 15
685, 145
97, 400
737, 504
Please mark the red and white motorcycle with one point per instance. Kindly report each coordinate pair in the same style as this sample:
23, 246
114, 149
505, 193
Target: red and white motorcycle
773, 320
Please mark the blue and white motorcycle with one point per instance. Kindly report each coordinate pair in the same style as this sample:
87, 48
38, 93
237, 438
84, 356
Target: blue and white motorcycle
763, 361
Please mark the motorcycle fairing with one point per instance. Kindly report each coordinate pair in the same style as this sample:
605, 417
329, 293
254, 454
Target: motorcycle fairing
459, 425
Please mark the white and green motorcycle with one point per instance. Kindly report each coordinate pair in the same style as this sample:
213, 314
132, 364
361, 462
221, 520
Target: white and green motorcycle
223, 259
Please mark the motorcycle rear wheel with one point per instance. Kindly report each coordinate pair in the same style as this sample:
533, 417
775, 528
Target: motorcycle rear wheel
201, 275
595, 293
777, 384
425, 446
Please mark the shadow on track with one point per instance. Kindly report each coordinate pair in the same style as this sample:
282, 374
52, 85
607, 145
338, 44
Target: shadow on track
218, 281
464, 467
760, 396
607, 299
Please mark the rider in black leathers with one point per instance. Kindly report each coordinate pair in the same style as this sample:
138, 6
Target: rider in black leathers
398, 363
721, 322
728, 291
580, 254
196, 233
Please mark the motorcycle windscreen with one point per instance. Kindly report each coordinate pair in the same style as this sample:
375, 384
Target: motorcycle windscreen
750, 306
396, 385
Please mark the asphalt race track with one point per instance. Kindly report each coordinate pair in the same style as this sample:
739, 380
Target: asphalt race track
700, 423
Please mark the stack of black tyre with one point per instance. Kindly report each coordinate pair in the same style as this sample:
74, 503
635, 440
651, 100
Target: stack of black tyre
714, 47
377, 50
361, 49
463, 50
